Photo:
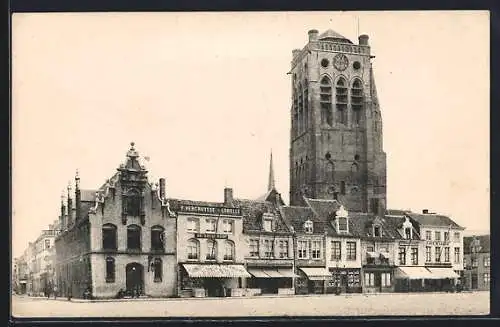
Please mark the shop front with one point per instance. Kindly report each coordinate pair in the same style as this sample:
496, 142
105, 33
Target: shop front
444, 280
271, 280
345, 280
412, 279
312, 280
378, 279
212, 280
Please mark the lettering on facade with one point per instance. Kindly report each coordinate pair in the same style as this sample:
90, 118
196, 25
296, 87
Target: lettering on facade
211, 210
210, 235
438, 243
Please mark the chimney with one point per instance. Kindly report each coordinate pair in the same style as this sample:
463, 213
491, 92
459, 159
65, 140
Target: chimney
162, 188
78, 198
313, 35
228, 196
363, 40
425, 211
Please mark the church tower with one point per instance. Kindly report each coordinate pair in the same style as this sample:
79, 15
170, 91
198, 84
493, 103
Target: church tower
336, 125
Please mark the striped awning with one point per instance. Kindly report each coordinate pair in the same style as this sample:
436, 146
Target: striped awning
216, 271
413, 273
271, 273
441, 273
317, 273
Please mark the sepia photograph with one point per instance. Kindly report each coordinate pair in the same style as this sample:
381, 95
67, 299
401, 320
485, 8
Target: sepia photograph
250, 164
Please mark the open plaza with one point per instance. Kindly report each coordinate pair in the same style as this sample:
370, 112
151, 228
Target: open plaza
390, 304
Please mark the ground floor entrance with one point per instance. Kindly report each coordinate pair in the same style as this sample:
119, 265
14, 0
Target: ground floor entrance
377, 279
134, 282
345, 280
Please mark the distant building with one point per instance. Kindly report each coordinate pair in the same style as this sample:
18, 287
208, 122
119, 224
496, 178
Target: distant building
119, 237
477, 262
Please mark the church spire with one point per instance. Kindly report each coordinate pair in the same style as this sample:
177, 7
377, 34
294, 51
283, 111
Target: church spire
271, 184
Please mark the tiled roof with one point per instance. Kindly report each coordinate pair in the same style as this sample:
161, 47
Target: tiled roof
296, 216
433, 220
176, 203
396, 212
324, 209
484, 243
253, 210
394, 226
270, 196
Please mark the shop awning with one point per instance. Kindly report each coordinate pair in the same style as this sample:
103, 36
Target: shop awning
287, 273
372, 254
271, 273
413, 273
22, 282
317, 273
216, 271
440, 273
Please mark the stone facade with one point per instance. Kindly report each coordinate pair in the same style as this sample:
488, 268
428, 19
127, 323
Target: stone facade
336, 134
477, 263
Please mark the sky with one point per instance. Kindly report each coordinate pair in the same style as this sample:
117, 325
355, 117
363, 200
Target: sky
207, 97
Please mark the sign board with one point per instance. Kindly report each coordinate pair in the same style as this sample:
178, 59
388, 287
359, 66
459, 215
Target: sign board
210, 210
210, 235
438, 243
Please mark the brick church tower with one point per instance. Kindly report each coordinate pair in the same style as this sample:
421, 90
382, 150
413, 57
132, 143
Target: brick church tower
336, 125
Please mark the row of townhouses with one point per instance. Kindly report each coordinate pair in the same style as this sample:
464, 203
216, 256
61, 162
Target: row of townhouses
335, 235
128, 235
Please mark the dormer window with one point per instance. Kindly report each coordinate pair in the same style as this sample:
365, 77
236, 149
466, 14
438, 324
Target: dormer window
342, 221
377, 231
308, 227
342, 225
408, 233
267, 222
407, 229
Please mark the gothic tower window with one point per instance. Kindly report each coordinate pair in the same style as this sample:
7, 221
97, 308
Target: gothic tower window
357, 101
341, 101
301, 110
326, 101
306, 105
295, 113
133, 203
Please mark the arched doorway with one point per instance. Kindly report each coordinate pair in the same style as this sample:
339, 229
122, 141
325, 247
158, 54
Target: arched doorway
135, 277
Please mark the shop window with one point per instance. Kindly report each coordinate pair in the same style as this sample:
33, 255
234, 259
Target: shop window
110, 270
302, 249
402, 256
157, 238
283, 249
228, 226
133, 237
336, 250
414, 256
211, 250
351, 251
428, 235
229, 251
369, 279
308, 227
109, 237
486, 261
486, 278
316, 250
446, 254
386, 279
254, 248
457, 255
157, 270
437, 236
428, 254
193, 249
437, 255
211, 225
193, 225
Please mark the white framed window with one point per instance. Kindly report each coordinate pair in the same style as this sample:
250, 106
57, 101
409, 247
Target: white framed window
428, 235
193, 225
283, 249
437, 236
386, 279
228, 226
457, 255
486, 278
336, 250
446, 236
369, 279
268, 225
428, 254
268, 249
229, 251
193, 249
308, 227
351, 251
377, 231
342, 224
316, 250
456, 237
211, 250
211, 225
302, 249
446, 254
486, 261
254, 248
437, 255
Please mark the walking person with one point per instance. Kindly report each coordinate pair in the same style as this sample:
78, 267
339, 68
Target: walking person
55, 292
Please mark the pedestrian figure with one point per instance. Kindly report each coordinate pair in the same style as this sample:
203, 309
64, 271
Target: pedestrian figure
55, 291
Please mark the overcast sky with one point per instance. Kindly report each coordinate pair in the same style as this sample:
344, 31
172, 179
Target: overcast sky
206, 96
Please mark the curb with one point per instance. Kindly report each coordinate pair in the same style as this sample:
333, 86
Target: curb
345, 295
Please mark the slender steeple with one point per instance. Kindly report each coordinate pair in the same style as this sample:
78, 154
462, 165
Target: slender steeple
271, 184
77, 196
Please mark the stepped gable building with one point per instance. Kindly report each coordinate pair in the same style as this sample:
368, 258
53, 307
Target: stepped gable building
336, 124
477, 262
120, 237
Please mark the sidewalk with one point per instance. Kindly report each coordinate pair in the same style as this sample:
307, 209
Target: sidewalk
145, 298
